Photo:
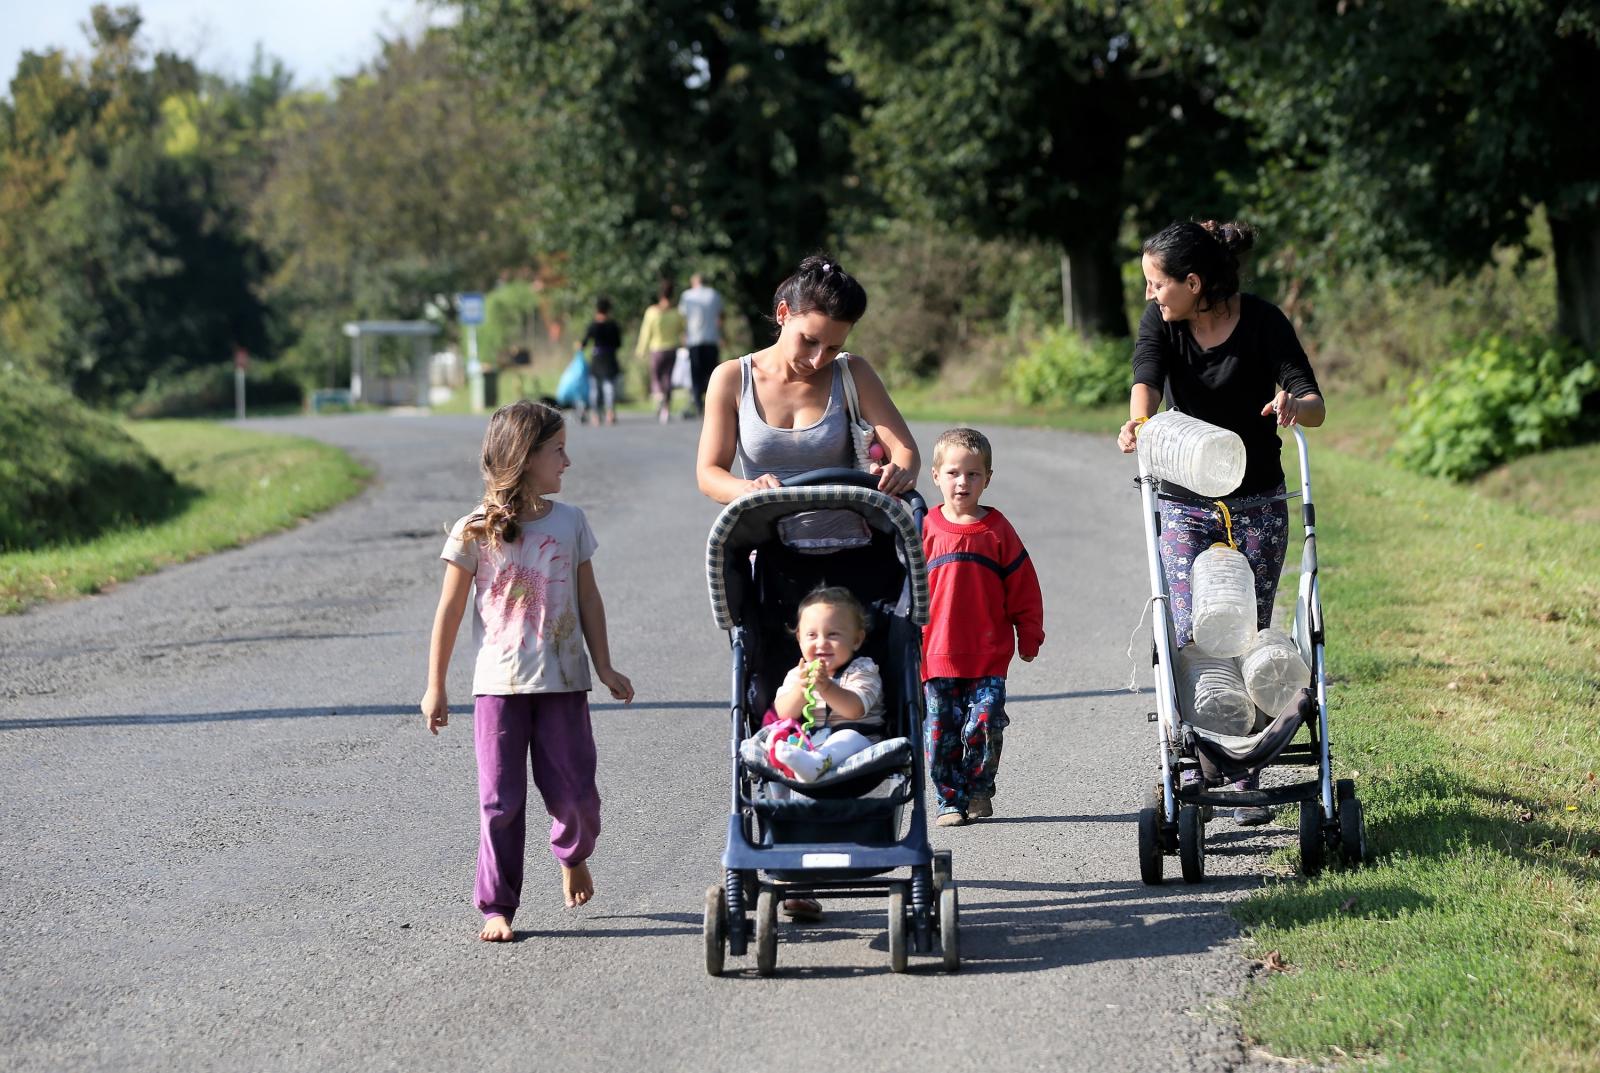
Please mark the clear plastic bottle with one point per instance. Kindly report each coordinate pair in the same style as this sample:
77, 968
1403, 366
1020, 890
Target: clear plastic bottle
1223, 590
1273, 671
1196, 454
1214, 689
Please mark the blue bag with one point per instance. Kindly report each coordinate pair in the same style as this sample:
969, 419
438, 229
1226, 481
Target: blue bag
573, 387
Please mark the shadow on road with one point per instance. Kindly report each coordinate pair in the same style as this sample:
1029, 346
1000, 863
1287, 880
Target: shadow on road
407, 710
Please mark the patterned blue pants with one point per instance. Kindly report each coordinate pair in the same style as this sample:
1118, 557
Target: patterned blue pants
964, 734
1261, 532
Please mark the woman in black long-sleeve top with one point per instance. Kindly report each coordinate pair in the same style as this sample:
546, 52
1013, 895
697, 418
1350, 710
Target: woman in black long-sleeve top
1234, 360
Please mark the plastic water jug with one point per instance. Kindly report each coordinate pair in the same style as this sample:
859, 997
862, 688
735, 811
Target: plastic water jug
1196, 454
1224, 594
1273, 671
1215, 691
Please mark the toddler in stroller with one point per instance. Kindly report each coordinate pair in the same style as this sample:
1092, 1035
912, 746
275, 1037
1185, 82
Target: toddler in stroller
830, 677
847, 831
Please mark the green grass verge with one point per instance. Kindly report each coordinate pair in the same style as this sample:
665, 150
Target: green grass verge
1464, 643
241, 484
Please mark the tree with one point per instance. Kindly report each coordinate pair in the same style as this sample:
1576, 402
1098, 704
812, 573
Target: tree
120, 257
668, 136
1418, 134
1031, 119
385, 198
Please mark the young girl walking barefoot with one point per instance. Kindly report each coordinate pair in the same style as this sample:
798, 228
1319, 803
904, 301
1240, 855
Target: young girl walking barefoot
524, 560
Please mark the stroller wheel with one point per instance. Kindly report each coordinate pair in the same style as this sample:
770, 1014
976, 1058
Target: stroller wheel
897, 928
1311, 841
1344, 790
942, 869
1352, 832
950, 929
1150, 846
716, 930
767, 933
1191, 844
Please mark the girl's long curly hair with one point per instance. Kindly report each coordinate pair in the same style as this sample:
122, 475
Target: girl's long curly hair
515, 432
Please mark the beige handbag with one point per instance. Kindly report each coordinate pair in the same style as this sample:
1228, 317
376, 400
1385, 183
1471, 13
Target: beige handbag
862, 434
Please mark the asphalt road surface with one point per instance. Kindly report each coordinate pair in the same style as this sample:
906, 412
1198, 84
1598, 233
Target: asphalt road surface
227, 841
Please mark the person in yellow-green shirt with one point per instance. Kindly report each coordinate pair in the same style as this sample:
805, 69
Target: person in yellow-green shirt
660, 336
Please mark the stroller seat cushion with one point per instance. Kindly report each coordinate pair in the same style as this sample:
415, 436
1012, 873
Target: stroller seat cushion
876, 760
1230, 756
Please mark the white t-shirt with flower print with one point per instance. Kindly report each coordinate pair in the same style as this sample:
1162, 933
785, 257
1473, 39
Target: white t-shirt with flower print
525, 621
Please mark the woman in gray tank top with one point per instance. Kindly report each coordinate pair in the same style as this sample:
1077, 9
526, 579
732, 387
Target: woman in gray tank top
781, 411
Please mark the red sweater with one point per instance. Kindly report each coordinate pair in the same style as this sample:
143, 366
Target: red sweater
982, 586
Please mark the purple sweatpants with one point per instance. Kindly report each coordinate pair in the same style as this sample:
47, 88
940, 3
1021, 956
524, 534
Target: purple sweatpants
552, 728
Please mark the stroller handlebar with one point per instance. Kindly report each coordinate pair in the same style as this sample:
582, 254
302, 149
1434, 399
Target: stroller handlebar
859, 479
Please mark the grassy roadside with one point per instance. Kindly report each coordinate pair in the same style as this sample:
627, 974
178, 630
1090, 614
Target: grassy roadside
1464, 644
242, 485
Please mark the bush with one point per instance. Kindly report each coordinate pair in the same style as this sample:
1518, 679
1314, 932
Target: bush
68, 472
1064, 368
209, 390
936, 296
1496, 400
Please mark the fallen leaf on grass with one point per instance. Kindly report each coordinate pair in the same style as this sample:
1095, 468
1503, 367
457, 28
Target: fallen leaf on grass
1274, 963
1525, 816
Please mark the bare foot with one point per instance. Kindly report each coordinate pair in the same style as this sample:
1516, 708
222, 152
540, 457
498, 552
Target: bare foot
577, 883
496, 929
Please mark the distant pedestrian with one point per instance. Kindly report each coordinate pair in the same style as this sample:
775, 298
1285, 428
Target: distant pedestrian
701, 307
524, 560
603, 338
660, 336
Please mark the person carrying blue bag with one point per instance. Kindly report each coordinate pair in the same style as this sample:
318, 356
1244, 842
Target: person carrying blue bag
572, 390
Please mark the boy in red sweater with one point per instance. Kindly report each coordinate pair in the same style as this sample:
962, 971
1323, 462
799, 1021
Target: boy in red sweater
982, 587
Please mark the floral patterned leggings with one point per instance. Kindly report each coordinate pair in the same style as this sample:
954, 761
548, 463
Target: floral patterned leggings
1260, 531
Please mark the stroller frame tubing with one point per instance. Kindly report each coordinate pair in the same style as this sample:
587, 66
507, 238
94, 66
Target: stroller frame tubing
741, 854
1166, 681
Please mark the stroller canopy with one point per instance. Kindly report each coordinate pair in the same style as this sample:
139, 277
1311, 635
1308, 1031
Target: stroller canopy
752, 521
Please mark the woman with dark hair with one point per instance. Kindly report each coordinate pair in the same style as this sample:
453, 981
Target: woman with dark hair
1231, 359
782, 411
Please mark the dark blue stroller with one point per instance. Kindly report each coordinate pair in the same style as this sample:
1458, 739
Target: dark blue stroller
861, 829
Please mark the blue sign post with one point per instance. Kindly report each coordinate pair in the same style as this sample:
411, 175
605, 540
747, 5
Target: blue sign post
480, 384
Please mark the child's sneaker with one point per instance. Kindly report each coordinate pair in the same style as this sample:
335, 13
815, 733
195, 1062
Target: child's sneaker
980, 807
951, 817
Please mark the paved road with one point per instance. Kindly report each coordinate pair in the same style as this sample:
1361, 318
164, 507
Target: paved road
227, 843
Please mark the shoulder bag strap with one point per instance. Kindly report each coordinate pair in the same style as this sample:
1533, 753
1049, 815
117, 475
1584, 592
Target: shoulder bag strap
851, 399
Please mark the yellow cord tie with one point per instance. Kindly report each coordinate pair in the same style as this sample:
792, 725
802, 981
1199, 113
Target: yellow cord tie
1227, 523
1136, 423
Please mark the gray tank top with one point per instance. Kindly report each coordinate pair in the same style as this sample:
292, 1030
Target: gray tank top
785, 452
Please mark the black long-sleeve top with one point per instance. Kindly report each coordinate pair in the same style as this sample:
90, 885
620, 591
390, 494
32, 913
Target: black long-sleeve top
1228, 384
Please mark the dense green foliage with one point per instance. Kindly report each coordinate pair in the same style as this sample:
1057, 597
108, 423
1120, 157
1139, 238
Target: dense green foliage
1062, 367
1414, 134
385, 199
122, 252
669, 136
68, 472
939, 297
1498, 399
1036, 120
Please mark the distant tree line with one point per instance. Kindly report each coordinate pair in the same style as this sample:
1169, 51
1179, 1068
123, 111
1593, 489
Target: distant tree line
154, 216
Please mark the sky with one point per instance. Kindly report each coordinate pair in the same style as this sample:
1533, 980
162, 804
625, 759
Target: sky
317, 39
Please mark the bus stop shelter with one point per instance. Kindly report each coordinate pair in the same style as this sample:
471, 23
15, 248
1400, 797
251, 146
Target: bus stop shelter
381, 382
